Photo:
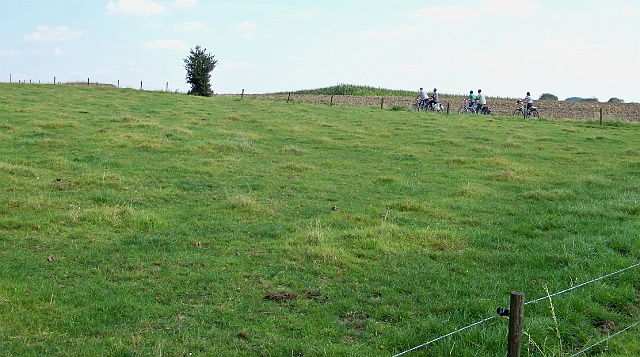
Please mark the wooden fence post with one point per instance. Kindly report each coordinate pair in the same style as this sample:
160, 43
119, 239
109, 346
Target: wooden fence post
289, 97
515, 323
601, 114
242, 94
331, 101
382, 103
448, 105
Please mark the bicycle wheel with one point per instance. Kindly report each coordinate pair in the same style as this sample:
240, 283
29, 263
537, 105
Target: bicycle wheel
534, 113
462, 110
518, 113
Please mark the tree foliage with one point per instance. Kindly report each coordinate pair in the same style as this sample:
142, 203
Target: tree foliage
199, 66
548, 96
615, 100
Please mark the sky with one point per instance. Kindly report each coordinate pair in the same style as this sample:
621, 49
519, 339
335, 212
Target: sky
569, 48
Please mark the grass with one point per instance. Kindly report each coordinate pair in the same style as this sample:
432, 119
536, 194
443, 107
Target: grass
150, 223
357, 90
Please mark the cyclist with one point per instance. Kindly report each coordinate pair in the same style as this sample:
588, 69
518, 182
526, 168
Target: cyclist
529, 102
472, 99
424, 97
482, 101
434, 100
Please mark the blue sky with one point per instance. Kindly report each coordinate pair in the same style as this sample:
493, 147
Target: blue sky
583, 48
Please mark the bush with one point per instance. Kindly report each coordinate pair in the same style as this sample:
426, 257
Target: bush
548, 96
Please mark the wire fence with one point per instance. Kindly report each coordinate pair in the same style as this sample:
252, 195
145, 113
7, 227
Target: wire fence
500, 106
505, 312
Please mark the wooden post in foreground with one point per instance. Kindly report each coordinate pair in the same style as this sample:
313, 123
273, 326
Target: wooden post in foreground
516, 310
448, 105
289, 97
331, 101
382, 103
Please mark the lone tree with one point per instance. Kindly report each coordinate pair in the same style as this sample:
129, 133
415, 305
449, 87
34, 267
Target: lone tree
199, 66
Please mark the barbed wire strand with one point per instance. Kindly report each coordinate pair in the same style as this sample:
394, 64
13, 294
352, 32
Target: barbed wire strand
581, 285
527, 303
445, 336
606, 339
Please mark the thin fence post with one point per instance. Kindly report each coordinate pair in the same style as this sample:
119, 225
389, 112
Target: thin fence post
331, 101
289, 97
601, 114
242, 94
448, 105
382, 103
516, 310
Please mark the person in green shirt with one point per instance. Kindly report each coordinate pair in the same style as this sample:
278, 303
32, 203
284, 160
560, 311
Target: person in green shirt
472, 99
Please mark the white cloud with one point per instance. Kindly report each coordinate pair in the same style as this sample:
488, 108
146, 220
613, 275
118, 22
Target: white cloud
246, 26
629, 11
239, 65
135, 7
449, 13
510, 7
184, 3
9, 54
189, 26
307, 15
405, 68
53, 34
480, 9
404, 31
57, 52
166, 45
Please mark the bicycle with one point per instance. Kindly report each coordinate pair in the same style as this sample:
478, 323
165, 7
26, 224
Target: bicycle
467, 107
435, 107
532, 112
419, 105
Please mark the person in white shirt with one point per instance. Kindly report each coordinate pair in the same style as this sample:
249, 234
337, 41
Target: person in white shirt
482, 101
528, 100
424, 97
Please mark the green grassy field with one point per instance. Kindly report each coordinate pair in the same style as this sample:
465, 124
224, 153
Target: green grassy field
151, 223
